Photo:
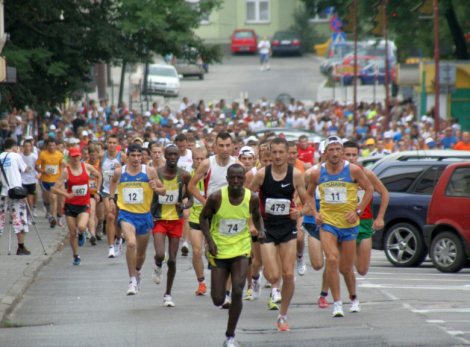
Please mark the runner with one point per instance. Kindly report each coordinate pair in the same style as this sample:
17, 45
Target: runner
49, 165
228, 238
167, 211
339, 217
196, 236
93, 160
185, 163
28, 178
110, 160
135, 183
77, 198
277, 184
156, 153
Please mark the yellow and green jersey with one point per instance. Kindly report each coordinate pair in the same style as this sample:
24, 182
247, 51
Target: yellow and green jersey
134, 192
163, 206
197, 207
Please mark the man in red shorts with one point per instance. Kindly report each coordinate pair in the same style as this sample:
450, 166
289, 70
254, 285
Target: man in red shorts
167, 211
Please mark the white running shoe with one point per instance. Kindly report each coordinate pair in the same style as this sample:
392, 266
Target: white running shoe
35, 211
276, 295
111, 252
229, 342
227, 303
301, 266
138, 277
117, 246
256, 289
338, 309
30, 220
132, 289
87, 233
167, 302
157, 274
355, 307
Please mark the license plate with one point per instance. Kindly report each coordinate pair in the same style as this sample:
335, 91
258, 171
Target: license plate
286, 42
244, 48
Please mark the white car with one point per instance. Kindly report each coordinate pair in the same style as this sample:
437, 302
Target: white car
163, 79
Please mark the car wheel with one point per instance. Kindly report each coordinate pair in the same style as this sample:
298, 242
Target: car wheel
201, 76
447, 253
404, 245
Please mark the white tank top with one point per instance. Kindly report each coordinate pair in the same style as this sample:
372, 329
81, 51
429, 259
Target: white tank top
216, 177
186, 162
108, 165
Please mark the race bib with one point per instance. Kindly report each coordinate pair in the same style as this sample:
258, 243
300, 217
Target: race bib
360, 196
196, 201
317, 194
81, 190
92, 185
170, 198
231, 227
133, 196
108, 175
52, 169
185, 166
335, 195
277, 207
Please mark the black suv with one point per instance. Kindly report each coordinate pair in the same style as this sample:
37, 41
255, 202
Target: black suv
410, 184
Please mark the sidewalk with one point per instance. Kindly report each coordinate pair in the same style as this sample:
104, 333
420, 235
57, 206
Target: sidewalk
18, 272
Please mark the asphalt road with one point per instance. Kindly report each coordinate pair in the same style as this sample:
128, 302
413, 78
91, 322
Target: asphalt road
87, 306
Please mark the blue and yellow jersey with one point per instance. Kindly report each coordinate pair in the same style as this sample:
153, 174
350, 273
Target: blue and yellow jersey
338, 196
134, 192
163, 206
197, 207
229, 227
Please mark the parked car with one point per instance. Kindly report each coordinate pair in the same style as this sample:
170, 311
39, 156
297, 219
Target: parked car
428, 155
163, 79
190, 65
410, 185
370, 160
286, 42
447, 233
348, 67
244, 41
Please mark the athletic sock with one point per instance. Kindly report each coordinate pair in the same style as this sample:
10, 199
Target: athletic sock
273, 290
353, 297
34, 206
255, 278
134, 280
300, 255
21, 245
159, 265
111, 246
281, 316
249, 286
229, 336
324, 294
137, 269
201, 280
227, 292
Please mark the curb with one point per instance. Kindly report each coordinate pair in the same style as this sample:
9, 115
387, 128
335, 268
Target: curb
15, 294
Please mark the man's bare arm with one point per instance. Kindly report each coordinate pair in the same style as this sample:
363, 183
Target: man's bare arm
199, 175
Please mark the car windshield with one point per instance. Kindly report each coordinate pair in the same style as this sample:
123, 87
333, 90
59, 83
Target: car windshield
161, 71
244, 35
285, 36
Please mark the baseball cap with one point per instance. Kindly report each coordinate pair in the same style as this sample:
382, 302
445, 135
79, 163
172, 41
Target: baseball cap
370, 142
74, 140
84, 133
316, 139
321, 147
147, 114
333, 139
245, 150
51, 135
409, 118
138, 139
74, 151
430, 142
52, 127
134, 147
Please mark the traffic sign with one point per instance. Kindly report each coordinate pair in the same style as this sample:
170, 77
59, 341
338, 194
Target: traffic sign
339, 39
335, 24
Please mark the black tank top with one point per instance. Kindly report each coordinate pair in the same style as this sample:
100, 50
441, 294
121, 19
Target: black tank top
277, 197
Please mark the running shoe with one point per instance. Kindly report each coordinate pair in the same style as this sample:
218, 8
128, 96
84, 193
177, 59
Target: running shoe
99, 236
81, 239
202, 289
35, 211
277, 296
167, 302
165, 259
99, 231
157, 274
22, 251
301, 266
322, 302
59, 222
272, 305
248, 295
132, 290
227, 303
355, 307
282, 324
93, 240
87, 234
117, 246
30, 220
229, 342
138, 277
338, 309
267, 285
185, 249
77, 260
52, 222
256, 289
47, 215
111, 252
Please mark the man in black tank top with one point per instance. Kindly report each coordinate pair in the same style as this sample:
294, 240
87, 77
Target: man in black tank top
276, 184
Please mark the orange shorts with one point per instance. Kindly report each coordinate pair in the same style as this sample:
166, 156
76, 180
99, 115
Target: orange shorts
171, 228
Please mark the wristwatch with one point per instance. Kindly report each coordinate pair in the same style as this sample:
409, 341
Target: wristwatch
359, 212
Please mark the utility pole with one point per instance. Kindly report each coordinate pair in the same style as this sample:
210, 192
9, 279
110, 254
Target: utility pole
387, 98
355, 120
436, 65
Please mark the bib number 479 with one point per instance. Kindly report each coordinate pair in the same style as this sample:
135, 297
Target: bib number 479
278, 208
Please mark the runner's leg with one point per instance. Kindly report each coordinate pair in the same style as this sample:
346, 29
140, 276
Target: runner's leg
72, 224
363, 253
287, 253
197, 238
238, 273
330, 247
173, 246
129, 233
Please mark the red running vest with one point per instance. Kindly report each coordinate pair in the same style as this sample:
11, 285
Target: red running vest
78, 185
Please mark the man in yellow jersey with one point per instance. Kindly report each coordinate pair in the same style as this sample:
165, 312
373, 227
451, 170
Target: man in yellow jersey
49, 166
167, 211
339, 213
195, 234
229, 241
136, 184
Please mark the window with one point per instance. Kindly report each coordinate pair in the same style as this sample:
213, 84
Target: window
324, 15
205, 17
161, 71
459, 183
400, 178
244, 34
427, 183
257, 11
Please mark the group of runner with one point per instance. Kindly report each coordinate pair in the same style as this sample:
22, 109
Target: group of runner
248, 213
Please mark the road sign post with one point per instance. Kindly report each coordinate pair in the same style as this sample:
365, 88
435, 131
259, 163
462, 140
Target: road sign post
339, 40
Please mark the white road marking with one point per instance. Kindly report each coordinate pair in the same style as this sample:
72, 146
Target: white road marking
444, 310
393, 286
455, 332
435, 321
390, 296
412, 279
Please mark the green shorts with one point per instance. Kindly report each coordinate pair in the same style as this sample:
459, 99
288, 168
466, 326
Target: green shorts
365, 230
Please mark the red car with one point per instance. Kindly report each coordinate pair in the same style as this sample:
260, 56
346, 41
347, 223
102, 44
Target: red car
447, 232
244, 40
